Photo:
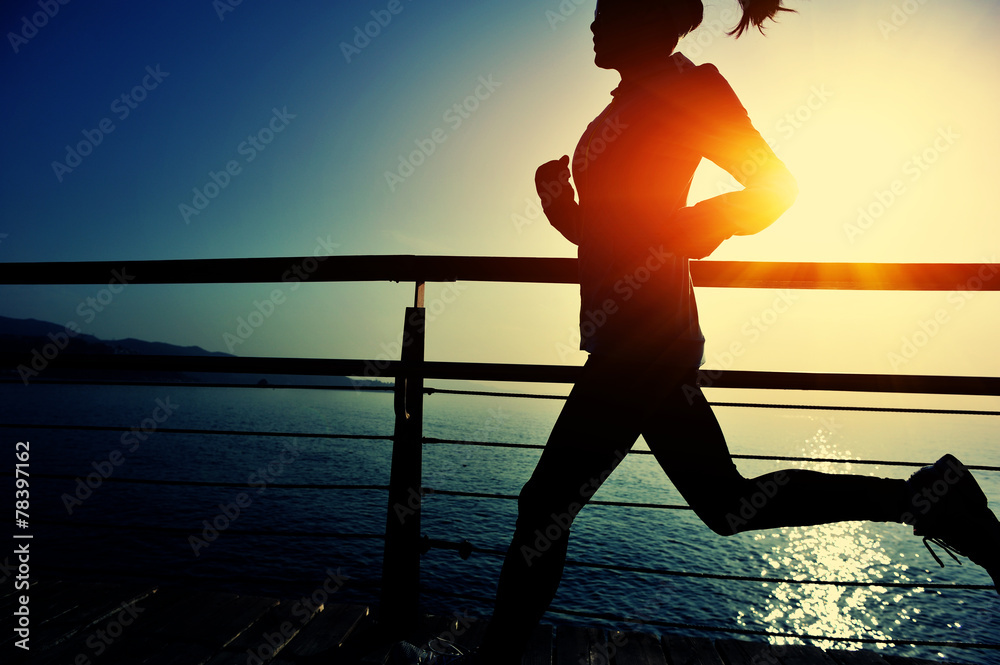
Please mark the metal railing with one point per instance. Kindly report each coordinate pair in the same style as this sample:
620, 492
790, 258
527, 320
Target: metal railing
400, 587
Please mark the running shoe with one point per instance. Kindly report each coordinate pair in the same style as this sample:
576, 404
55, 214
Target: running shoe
949, 509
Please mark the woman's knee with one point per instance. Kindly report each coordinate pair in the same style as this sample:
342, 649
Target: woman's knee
721, 505
723, 523
541, 509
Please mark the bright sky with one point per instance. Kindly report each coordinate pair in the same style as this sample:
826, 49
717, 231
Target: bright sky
876, 105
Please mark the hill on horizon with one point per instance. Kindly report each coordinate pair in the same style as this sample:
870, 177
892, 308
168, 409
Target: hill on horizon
27, 336
21, 335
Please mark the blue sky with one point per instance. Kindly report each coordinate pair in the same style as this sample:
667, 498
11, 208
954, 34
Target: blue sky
864, 100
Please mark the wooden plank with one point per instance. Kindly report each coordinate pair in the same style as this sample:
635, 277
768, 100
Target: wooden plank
193, 627
101, 604
107, 637
214, 619
278, 625
188, 628
9, 595
377, 654
765, 653
737, 652
235, 658
137, 641
326, 632
50, 601
681, 650
599, 653
47, 602
580, 646
901, 660
175, 653
571, 646
464, 630
268, 636
761, 653
232, 658
801, 654
861, 657
632, 648
539, 650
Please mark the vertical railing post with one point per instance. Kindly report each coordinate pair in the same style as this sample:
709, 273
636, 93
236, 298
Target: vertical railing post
400, 597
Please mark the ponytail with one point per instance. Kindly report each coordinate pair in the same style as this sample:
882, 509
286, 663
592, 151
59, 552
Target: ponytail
755, 12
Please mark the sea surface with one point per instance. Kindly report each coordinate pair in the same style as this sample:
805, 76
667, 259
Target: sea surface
124, 531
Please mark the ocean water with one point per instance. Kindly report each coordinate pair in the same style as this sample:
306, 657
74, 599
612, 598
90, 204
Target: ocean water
115, 531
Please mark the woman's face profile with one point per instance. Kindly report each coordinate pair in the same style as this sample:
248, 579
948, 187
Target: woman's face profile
627, 31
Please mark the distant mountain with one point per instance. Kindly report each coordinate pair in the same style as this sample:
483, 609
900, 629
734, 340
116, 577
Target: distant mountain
25, 336
31, 327
144, 348
22, 336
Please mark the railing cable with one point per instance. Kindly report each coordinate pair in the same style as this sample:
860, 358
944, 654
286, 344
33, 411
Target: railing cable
465, 546
195, 530
212, 483
775, 458
161, 575
513, 497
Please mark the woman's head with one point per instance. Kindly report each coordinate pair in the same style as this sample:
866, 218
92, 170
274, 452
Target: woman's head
631, 31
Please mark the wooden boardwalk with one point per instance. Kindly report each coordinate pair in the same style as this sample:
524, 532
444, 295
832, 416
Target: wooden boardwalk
83, 624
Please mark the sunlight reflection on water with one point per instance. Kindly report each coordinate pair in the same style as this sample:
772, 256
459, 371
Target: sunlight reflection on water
848, 551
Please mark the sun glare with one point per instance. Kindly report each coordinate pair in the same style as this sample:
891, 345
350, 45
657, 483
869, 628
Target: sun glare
889, 140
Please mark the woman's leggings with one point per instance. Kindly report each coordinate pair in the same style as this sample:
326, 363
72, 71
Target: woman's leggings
608, 408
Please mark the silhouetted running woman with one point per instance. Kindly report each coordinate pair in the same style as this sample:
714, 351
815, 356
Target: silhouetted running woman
632, 168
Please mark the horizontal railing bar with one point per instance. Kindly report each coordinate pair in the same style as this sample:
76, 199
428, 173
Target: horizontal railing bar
762, 380
412, 268
863, 409
372, 268
753, 405
180, 430
197, 384
488, 393
847, 276
490, 444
